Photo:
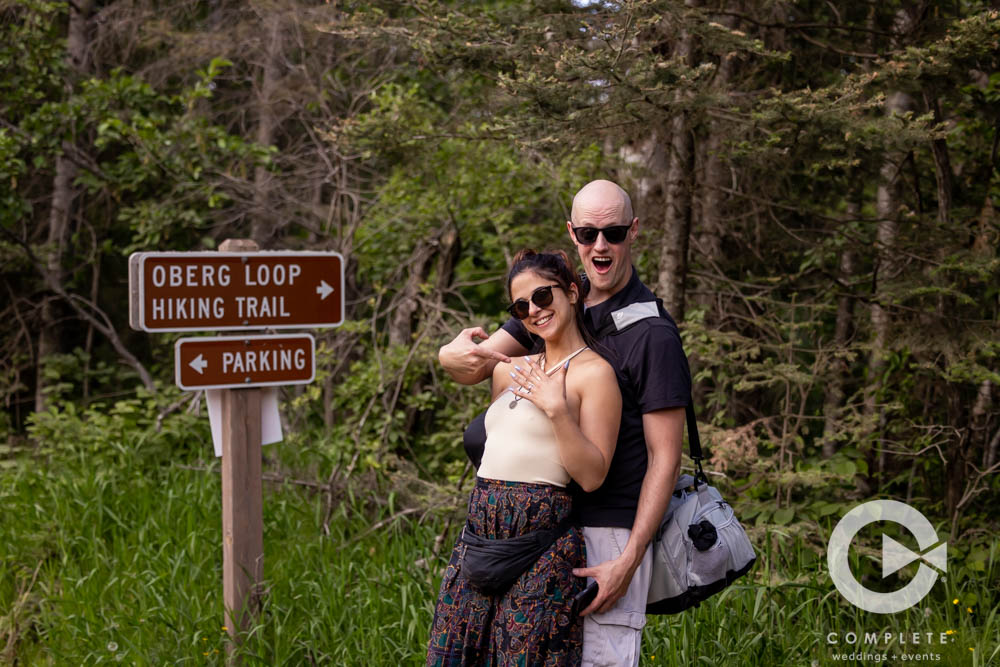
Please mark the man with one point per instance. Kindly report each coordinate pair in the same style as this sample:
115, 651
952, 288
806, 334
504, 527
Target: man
642, 342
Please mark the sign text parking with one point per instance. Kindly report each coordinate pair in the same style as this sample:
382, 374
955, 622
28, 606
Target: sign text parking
218, 362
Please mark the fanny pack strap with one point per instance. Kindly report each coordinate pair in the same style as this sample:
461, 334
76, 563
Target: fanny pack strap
565, 524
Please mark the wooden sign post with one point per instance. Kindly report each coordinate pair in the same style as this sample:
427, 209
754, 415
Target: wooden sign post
242, 507
239, 289
242, 496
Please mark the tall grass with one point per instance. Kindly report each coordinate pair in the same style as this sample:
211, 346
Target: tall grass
123, 564
120, 561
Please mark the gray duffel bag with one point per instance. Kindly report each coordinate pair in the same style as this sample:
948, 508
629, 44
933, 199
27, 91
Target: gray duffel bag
700, 547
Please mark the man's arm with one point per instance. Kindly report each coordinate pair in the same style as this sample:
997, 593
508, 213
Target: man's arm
664, 430
468, 362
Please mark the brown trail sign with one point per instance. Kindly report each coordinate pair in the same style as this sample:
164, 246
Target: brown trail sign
231, 362
216, 291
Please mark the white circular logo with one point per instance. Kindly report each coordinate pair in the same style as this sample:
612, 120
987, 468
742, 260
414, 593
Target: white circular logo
894, 556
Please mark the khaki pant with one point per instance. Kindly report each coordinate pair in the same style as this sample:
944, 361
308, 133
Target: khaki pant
614, 638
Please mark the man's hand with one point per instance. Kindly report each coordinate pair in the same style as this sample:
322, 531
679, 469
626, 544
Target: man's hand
469, 362
613, 578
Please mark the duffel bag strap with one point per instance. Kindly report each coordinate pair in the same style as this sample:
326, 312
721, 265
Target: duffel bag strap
694, 443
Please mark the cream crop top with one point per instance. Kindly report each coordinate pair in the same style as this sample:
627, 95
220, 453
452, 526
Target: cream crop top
520, 441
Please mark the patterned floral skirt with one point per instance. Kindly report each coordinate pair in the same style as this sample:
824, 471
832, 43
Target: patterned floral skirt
533, 622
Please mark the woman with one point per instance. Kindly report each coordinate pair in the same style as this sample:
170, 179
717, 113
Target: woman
554, 419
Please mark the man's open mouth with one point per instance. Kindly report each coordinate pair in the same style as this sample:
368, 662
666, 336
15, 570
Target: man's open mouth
602, 264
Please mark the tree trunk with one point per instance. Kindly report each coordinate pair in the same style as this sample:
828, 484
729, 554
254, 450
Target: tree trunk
263, 226
979, 435
59, 214
710, 223
677, 218
449, 249
647, 160
444, 247
993, 453
88, 345
834, 400
942, 164
887, 208
843, 329
714, 176
404, 313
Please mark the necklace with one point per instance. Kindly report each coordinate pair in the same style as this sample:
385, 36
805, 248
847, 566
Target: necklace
518, 397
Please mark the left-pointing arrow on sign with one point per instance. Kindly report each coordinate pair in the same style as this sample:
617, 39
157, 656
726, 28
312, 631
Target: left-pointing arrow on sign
198, 363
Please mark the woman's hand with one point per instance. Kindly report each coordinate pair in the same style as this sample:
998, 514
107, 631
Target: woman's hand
547, 392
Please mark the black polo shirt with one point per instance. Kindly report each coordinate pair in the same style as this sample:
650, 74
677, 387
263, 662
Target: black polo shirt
641, 341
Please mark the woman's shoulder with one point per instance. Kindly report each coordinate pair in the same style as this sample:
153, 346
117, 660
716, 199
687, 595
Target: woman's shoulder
590, 366
502, 370
591, 377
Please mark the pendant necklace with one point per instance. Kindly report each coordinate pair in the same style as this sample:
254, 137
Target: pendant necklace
518, 397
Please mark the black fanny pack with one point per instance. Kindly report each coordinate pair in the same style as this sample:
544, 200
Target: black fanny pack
493, 566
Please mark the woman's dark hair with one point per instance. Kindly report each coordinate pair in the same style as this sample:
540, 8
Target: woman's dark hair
554, 265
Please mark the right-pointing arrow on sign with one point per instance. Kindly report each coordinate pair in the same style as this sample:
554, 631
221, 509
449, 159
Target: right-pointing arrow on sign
324, 290
198, 363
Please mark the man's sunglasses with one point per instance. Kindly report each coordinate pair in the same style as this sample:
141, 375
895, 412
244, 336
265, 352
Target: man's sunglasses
541, 297
614, 234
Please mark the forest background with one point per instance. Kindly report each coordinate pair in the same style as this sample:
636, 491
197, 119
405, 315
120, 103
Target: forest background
817, 186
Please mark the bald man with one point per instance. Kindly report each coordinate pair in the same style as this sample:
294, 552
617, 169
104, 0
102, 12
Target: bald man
640, 339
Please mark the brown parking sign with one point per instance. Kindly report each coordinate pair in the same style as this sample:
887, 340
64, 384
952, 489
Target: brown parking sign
213, 291
221, 362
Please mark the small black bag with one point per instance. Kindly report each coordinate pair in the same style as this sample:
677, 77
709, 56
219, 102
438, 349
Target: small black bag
493, 566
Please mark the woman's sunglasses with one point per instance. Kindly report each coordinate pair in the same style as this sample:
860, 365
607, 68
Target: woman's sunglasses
614, 234
541, 297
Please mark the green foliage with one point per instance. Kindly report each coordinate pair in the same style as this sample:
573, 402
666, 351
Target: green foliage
154, 153
498, 202
66, 372
150, 170
130, 431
